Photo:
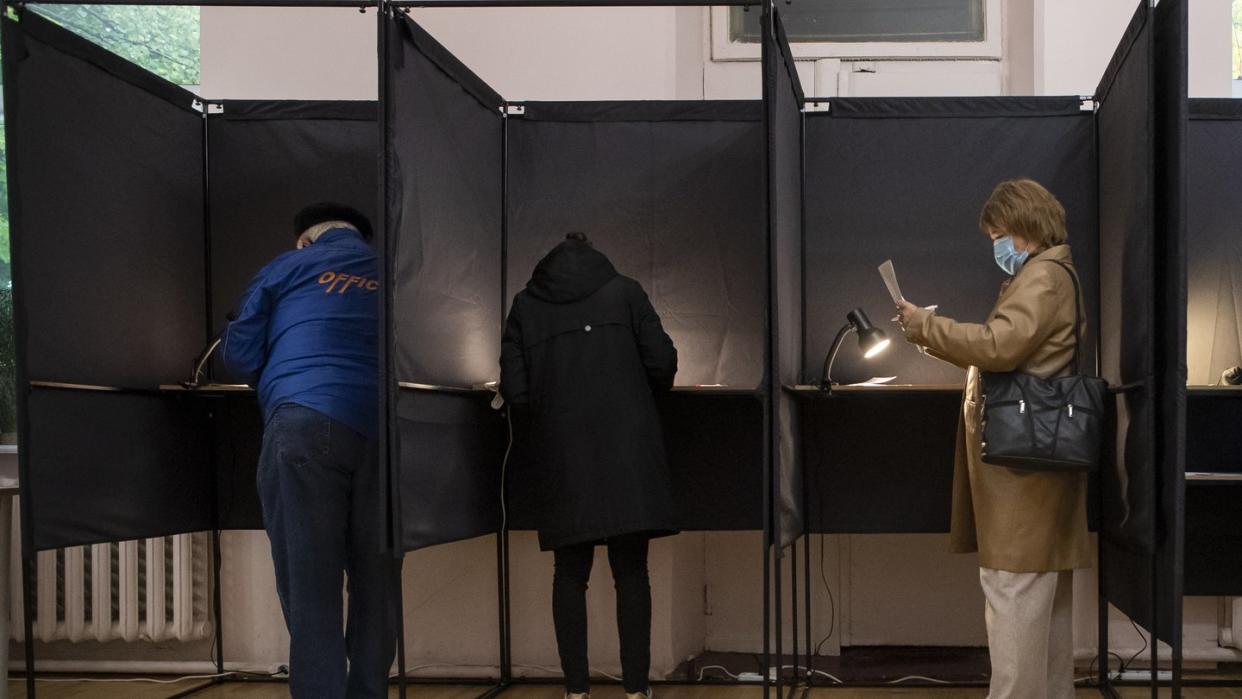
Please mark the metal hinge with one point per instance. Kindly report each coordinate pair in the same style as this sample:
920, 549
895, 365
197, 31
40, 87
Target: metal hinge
513, 110
817, 106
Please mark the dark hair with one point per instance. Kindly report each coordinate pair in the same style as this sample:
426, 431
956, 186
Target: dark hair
1025, 207
579, 237
325, 211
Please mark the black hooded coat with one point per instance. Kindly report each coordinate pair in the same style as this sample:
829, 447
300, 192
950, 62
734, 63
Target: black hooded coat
584, 355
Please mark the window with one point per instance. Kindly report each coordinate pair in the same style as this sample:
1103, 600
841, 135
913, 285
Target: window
870, 20
1237, 48
867, 29
164, 40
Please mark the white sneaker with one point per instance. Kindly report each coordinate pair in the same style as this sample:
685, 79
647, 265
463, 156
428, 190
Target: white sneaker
577, 695
638, 695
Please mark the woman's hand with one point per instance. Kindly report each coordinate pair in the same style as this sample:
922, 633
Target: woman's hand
905, 311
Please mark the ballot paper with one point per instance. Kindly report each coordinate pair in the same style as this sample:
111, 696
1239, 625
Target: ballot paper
889, 275
876, 381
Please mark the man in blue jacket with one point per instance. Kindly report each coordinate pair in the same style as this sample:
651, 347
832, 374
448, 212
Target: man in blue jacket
306, 332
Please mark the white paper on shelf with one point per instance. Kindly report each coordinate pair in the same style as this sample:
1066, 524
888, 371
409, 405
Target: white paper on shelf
876, 381
889, 274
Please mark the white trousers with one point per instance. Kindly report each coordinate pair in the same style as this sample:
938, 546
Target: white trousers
1030, 633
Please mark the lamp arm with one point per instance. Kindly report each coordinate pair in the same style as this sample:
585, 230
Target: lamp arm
825, 381
201, 362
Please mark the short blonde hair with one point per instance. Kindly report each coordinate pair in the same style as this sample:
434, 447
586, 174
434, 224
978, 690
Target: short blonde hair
1025, 208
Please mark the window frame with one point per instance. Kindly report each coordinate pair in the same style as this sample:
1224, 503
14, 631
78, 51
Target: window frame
991, 48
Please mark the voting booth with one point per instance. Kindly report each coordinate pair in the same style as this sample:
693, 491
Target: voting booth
140, 211
687, 198
905, 179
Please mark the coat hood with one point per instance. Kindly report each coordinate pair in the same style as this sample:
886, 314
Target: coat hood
571, 272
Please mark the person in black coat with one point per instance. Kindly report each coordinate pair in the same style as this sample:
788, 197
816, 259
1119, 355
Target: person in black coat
584, 356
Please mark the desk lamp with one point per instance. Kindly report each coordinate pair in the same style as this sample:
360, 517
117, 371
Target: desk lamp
871, 340
200, 362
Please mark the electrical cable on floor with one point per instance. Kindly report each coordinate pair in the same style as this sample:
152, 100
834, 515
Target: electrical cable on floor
459, 666
703, 671
921, 678
148, 680
1126, 665
813, 671
557, 671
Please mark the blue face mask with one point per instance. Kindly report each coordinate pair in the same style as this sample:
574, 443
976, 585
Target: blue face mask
1008, 258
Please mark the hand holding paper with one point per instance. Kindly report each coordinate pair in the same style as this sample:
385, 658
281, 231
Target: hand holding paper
889, 274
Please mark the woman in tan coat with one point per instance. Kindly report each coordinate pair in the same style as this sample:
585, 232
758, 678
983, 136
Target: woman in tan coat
1029, 528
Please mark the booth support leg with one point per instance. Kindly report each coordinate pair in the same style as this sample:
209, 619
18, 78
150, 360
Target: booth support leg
778, 604
793, 605
400, 599
28, 612
6, 534
1155, 627
216, 603
1105, 684
767, 614
806, 584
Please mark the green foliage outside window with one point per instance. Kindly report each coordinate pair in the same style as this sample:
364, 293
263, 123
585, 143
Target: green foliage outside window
1237, 39
164, 40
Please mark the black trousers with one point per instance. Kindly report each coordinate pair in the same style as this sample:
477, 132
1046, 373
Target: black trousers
627, 556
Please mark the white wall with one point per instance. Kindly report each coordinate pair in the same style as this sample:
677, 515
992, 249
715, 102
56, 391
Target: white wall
887, 589
1073, 42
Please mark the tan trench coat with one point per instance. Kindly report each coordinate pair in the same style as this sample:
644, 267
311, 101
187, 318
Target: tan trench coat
1018, 521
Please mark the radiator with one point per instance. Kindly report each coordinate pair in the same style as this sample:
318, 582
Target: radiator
152, 590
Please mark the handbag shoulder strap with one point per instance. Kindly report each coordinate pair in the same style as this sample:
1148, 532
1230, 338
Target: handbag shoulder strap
1077, 361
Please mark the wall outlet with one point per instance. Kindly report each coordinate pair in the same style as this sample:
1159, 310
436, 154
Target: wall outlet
749, 677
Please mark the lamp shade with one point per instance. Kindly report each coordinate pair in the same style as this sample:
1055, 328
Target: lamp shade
871, 340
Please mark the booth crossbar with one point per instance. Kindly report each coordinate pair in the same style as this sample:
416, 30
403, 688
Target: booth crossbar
571, 3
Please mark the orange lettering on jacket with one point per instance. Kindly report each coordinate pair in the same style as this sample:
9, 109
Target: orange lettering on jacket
341, 282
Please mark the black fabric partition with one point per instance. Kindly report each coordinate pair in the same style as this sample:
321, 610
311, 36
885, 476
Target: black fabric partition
268, 159
878, 169
106, 205
1126, 132
1213, 546
905, 179
672, 193
447, 140
1214, 243
785, 141
106, 179
113, 466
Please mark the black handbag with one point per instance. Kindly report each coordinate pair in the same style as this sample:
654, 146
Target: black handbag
1039, 424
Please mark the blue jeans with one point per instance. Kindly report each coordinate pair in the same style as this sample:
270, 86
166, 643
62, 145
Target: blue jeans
319, 486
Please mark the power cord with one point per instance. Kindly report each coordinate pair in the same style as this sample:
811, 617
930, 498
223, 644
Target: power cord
819, 498
152, 680
456, 666
703, 671
1126, 665
504, 468
1094, 661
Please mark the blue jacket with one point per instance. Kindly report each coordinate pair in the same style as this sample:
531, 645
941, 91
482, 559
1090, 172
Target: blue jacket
307, 331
